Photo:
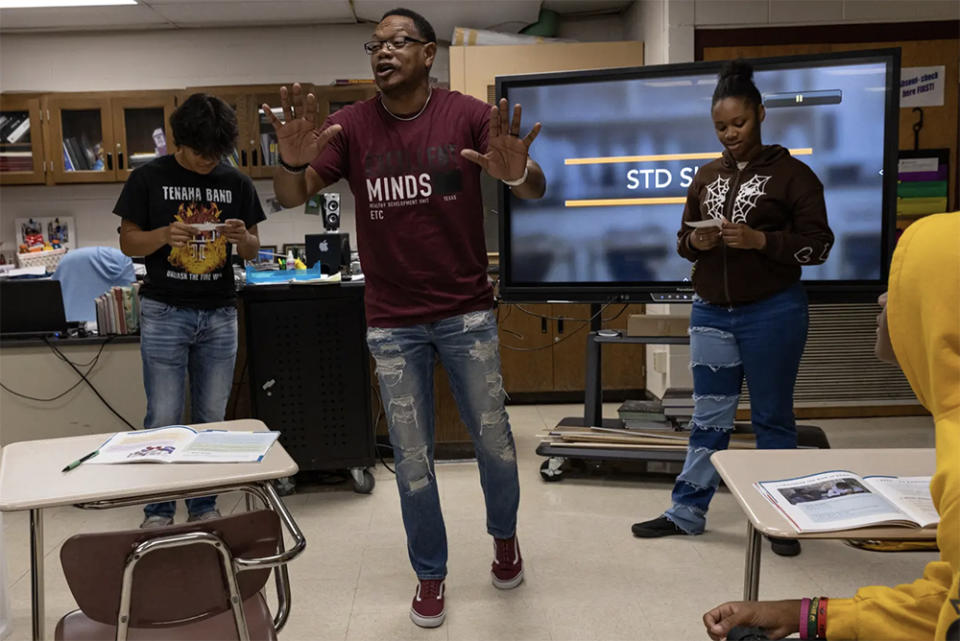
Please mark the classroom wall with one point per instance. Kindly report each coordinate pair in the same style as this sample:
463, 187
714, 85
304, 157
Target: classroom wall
667, 26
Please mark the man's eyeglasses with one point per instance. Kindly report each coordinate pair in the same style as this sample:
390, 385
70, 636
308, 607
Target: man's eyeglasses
393, 44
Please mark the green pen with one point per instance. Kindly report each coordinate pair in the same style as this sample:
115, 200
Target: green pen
80, 460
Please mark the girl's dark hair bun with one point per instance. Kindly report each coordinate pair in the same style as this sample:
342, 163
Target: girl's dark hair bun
737, 68
736, 80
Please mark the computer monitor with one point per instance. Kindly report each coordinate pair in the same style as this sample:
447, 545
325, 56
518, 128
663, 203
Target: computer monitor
31, 308
620, 147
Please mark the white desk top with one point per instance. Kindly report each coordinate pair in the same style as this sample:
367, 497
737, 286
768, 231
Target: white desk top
740, 469
31, 476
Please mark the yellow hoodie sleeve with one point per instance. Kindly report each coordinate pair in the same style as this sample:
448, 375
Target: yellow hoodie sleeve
928, 607
923, 314
909, 611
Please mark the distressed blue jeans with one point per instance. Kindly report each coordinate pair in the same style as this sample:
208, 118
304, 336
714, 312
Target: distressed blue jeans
762, 341
468, 348
176, 342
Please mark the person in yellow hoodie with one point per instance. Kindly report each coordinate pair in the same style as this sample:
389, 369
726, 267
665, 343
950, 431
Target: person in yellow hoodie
922, 316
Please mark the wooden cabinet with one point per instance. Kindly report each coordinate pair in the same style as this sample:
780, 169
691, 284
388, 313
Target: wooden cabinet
141, 129
526, 347
543, 348
102, 137
80, 144
21, 141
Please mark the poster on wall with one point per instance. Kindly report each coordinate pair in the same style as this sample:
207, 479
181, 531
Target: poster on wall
46, 232
922, 86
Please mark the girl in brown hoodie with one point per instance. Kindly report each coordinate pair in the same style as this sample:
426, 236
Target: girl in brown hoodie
749, 318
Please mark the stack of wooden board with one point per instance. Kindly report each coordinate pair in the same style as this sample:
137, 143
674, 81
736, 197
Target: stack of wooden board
611, 438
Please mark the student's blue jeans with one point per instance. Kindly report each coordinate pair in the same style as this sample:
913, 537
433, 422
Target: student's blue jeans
468, 348
763, 342
176, 342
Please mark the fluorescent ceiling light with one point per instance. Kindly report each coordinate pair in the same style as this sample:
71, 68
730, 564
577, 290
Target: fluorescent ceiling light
38, 4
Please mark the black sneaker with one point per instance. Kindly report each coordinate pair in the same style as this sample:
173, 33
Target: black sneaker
784, 547
660, 526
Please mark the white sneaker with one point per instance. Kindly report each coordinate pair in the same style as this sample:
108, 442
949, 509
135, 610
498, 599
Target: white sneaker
205, 516
157, 520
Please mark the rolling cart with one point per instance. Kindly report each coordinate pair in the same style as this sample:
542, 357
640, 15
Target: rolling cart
309, 374
560, 459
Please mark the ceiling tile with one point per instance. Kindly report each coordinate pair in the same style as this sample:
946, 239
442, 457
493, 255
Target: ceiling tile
445, 15
72, 18
251, 12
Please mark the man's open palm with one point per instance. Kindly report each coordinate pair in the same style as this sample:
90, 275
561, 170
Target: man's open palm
507, 152
298, 139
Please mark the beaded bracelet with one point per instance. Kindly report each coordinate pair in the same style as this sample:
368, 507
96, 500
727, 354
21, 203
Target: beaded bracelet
298, 169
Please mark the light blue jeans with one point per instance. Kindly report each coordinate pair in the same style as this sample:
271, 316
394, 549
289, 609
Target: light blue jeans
468, 348
176, 342
763, 342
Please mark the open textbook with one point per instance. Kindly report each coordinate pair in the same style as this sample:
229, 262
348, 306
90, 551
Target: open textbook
181, 444
841, 500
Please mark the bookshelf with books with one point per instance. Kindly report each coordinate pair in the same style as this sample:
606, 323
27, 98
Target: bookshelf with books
21, 141
103, 136
79, 146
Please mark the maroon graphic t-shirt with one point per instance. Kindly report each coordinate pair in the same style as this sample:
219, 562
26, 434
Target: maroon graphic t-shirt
418, 208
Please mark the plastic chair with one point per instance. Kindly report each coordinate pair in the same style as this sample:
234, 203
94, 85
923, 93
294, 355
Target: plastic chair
199, 580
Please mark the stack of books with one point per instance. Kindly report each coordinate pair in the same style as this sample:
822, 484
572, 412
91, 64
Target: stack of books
80, 155
16, 161
269, 149
118, 311
14, 126
677, 403
644, 415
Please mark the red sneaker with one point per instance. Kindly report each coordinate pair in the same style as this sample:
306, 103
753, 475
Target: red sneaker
427, 608
507, 568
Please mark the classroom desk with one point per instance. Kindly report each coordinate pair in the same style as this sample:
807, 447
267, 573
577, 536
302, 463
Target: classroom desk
740, 469
31, 479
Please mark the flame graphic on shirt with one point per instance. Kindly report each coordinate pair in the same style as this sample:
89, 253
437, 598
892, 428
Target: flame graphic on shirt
207, 251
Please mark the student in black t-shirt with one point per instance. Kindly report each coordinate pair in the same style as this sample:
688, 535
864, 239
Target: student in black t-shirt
185, 212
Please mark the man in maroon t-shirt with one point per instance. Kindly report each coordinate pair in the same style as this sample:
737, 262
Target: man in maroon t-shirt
413, 156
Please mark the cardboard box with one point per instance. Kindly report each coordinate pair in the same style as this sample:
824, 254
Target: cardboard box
657, 325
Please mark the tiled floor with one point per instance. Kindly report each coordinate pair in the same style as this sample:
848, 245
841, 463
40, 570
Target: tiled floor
586, 576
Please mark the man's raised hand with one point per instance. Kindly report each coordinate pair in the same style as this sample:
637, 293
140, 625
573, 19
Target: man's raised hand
507, 152
298, 139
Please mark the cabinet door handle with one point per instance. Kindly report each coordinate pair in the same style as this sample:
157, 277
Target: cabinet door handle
109, 161
119, 160
243, 158
559, 325
253, 157
543, 325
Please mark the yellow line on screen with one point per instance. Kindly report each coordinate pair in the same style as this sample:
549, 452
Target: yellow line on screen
710, 155
619, 202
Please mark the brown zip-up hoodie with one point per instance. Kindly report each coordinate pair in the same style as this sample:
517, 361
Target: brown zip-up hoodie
776, 194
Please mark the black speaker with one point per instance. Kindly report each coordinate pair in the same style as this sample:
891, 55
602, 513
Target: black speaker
331, 211
331, 250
